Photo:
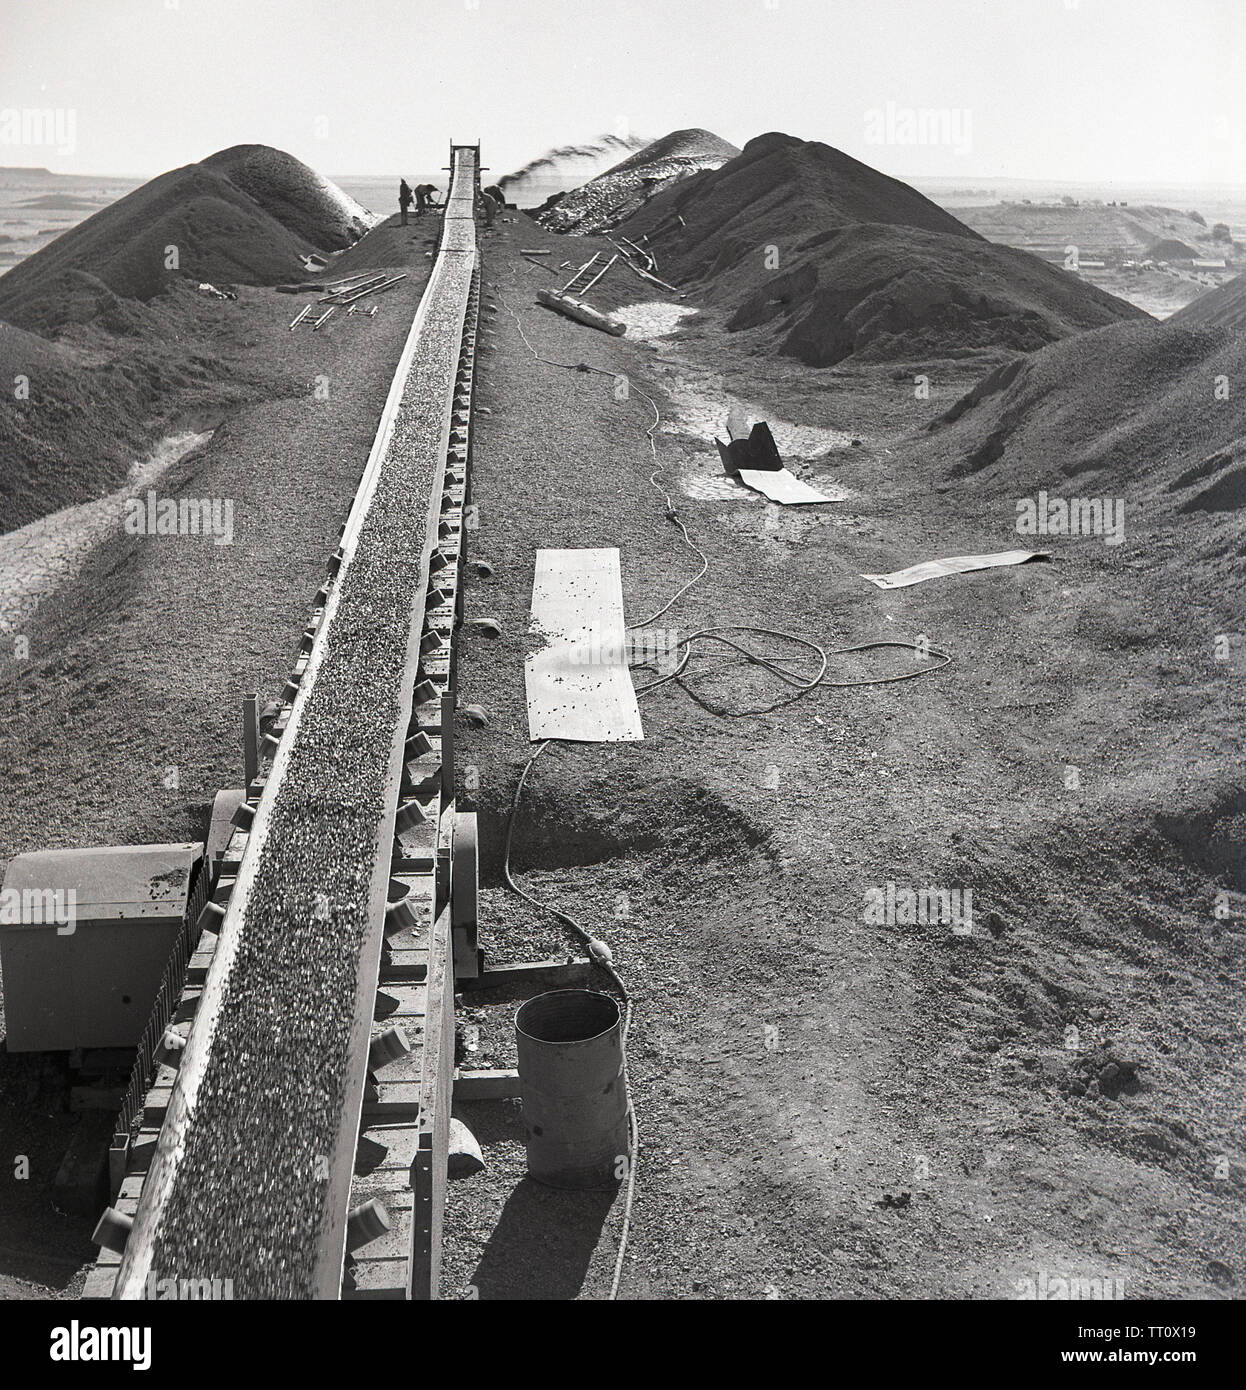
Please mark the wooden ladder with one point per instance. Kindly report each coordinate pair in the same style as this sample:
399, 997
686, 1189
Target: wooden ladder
588, 274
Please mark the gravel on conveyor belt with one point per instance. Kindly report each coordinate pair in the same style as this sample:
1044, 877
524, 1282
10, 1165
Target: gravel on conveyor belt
247, 1197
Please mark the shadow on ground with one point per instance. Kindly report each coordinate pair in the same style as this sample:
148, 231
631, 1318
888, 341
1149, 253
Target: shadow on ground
542, 1243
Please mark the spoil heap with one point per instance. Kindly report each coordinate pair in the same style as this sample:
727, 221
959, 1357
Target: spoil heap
1096, 229
244, 216
1170, 249
605, 201
1224, 307
566, 163
828, 259
84, 417
1126, 411
303, 201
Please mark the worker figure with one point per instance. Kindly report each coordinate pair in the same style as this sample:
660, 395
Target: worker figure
487, 204
404, 200
424, 197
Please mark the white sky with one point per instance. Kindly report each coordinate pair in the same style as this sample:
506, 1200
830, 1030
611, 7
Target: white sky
1143, 91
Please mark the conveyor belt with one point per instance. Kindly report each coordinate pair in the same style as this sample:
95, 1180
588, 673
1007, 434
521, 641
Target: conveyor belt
252, 1175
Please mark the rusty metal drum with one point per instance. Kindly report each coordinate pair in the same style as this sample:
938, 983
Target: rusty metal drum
574, 1090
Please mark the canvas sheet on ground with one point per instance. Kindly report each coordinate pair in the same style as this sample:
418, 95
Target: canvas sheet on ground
954, 564
578, 684
781, 486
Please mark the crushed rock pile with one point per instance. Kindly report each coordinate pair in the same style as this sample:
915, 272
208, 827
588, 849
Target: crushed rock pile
1224, 307
1125, 411
568, 162
605, 201
1170, 249
247, 215
826, 259
87, 410
303, 201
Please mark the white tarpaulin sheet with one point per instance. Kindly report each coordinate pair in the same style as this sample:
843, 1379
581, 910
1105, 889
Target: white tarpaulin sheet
781, 486
954, 564
578, 683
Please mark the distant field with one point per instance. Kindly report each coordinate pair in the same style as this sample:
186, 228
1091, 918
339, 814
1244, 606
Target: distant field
36, 207
1116, 234
1095, 230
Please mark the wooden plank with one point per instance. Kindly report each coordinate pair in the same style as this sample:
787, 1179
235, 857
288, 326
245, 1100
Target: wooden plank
395, 1100
398, 1001
581, 270
585, 289
401, 1142
565, 973
464, 895
379, 1270
486, 1085
578, 684
100, 1282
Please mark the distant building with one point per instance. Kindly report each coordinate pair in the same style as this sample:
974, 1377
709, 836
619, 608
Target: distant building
1208, 265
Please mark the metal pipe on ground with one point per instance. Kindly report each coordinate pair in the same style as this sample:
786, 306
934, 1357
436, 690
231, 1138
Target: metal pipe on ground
374, 289
336, 285
574, 1089
349, 290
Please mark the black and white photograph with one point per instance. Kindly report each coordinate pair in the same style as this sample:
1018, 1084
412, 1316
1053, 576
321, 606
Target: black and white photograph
622, 646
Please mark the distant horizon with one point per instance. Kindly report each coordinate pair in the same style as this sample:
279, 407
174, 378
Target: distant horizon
962, 179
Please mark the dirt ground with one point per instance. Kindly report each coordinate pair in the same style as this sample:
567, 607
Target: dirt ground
828, 1106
